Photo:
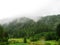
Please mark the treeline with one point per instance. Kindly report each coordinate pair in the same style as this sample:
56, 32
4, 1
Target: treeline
25, 27
3, 36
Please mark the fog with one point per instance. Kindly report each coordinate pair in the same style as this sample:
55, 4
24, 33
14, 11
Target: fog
28, 8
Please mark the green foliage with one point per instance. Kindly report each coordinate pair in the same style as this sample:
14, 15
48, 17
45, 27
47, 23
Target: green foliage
46, 35
3, 36
33, 39
20, 29
1, 32
58, 30
27, 27
51, 36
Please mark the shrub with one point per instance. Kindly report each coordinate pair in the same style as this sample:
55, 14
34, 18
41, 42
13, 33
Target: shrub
34, 39
51, 36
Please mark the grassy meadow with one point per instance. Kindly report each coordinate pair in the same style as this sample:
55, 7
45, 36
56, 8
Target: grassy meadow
19, 41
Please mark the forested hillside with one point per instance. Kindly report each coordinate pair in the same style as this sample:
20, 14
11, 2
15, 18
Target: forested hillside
27, 27
20, 27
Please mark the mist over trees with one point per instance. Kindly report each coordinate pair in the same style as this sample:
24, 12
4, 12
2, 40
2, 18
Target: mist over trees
25, 27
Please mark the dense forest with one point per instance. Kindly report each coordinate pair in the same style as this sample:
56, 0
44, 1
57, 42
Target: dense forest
25, 27
47, 28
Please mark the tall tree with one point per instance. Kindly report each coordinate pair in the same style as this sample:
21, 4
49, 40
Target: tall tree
3, 36
58, 30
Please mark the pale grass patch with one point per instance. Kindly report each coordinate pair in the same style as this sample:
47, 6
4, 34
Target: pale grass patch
18, 39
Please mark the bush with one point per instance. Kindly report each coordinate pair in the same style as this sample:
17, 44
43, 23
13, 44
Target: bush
33, 39
36, 37
51, 36
46, 35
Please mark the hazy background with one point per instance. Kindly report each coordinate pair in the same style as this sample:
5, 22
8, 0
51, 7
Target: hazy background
28, 8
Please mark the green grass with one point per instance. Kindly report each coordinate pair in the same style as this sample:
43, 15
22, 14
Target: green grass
19, 41
19, 44
52, 42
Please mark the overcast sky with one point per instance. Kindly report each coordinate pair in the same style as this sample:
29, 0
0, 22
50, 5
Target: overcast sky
28, 8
